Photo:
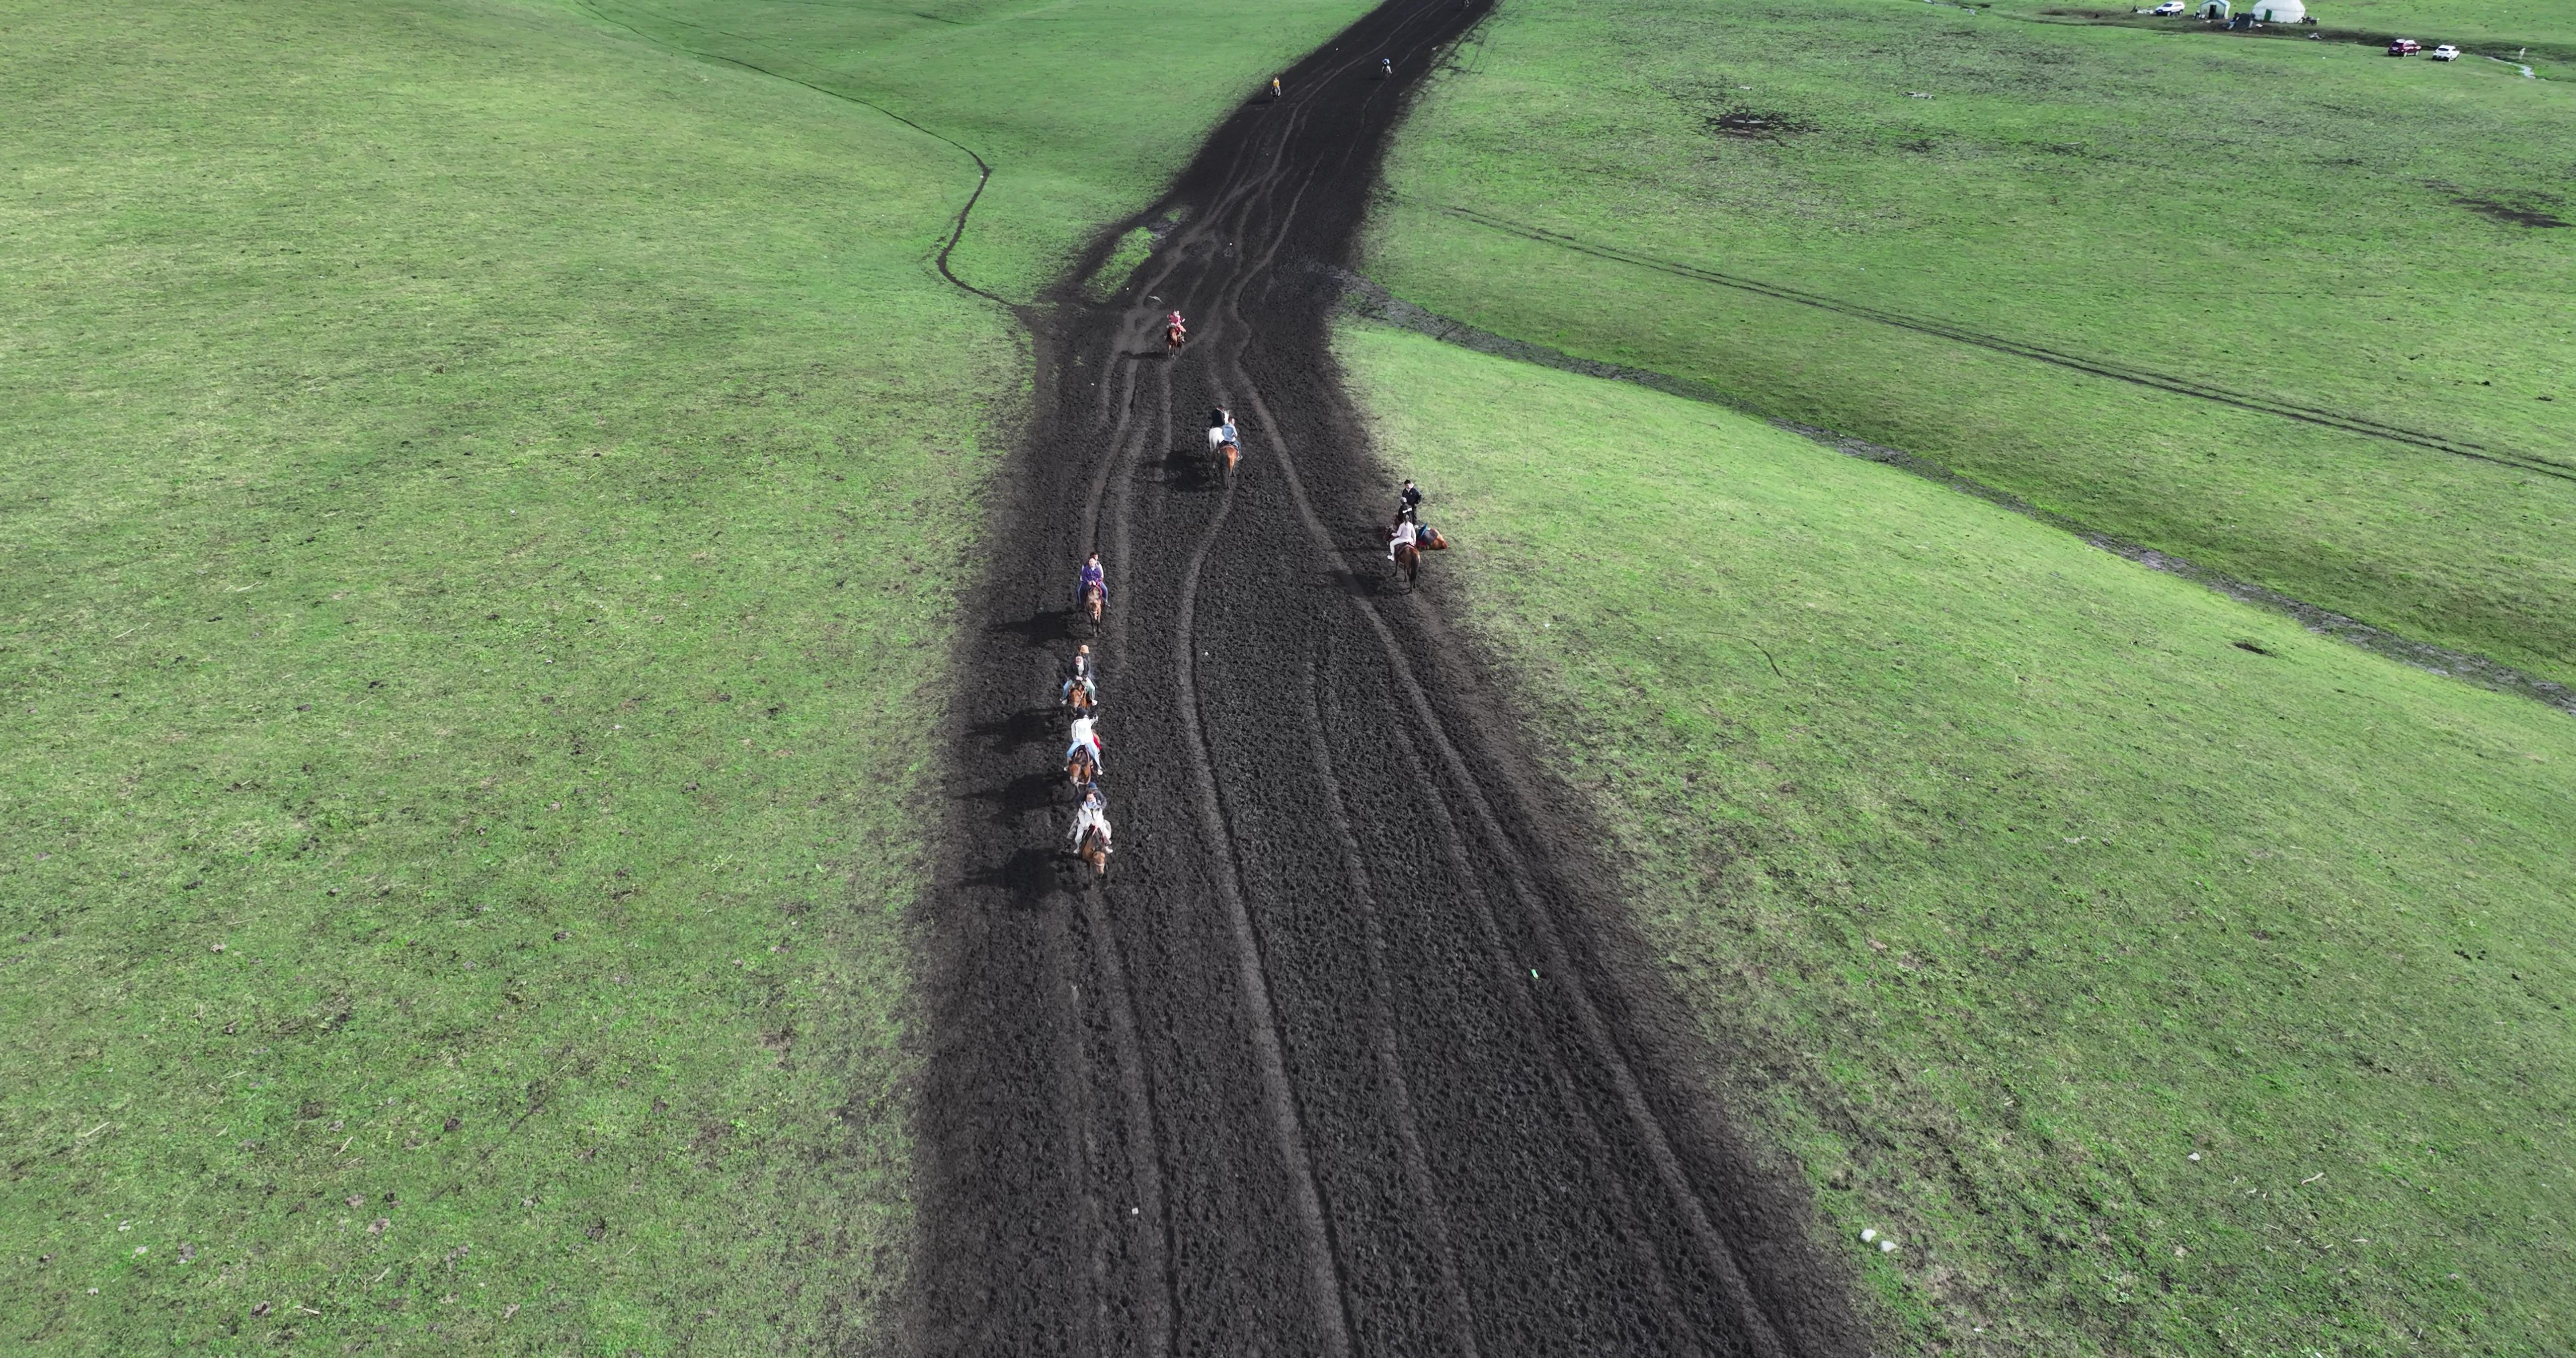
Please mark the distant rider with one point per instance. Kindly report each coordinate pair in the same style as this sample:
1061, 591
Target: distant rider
1408, 503
1176, 327
1386, 68
1092, 574
1274, 87
1080, 670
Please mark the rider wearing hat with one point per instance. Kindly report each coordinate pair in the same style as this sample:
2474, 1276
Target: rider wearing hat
1092, 574
1093, 814
1080, 670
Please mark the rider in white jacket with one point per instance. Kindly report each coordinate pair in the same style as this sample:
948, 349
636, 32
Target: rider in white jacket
1094, 813
1085, 736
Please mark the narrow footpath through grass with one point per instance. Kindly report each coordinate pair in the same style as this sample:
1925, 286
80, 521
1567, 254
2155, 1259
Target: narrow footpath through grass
2160, 978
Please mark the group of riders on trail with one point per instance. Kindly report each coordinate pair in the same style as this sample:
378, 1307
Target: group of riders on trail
1408, 537
1080, 692
1089, 837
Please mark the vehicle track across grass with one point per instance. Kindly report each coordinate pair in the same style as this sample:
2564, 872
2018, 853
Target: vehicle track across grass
2091, 364
1366, 299
1354, 1053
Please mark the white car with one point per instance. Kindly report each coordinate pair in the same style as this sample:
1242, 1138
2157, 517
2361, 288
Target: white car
2168, 7
2445, 52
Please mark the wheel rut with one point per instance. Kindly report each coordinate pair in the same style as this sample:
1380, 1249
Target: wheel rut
1354, 1053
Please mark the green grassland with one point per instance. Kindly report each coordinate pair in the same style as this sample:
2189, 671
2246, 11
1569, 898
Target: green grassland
2303, 220
2159, 995
1077, 107
487, 495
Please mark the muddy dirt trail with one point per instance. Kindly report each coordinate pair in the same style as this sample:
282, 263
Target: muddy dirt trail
1350, 1055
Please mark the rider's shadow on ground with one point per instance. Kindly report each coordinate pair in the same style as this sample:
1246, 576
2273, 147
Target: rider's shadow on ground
1037, 629
1029, 876
1037, 791
1192, 469
1024, 727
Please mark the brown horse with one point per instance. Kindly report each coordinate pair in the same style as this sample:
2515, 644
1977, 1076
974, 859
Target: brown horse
1409, 561
1095, 604
1173, 338
1077, 696
1232, 453
1095, 852
1080, 769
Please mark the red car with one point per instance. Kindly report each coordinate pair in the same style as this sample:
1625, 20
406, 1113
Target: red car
2404, 47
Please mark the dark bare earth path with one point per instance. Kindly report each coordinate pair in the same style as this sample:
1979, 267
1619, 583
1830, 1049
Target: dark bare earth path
1349, 1056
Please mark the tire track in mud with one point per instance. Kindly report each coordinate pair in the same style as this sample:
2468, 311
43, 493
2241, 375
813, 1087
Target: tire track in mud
1353, 1053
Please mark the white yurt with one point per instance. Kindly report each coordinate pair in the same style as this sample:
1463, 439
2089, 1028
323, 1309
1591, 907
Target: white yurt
2280, 11
2212, 9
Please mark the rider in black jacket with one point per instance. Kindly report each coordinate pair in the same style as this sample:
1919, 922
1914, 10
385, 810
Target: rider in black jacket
1081, 669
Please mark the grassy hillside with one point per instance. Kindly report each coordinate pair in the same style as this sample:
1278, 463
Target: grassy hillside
1074, 106
486, 497
2302, 221
2164, 979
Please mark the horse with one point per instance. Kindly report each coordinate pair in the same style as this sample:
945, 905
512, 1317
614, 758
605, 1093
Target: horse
1095, 603
1095, 852
1408, 559
1173, 338
1221, 446
1080, 769
1077, 696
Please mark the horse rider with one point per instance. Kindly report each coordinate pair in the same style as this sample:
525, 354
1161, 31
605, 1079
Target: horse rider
1219, 417
1220, 427
1092, 574
1403, 536
1085, 736
1408, 504
1175, 326
1093, 814
1080, 670
1386, 68
1274, 88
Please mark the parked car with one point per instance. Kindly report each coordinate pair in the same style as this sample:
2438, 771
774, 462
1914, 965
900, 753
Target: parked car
2168, 7
2445, 52
2404, 47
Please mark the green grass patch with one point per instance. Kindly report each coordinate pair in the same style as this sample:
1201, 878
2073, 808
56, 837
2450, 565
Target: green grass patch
2021, 876
2308, 221
486, 503
1131, 250
1082, 110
